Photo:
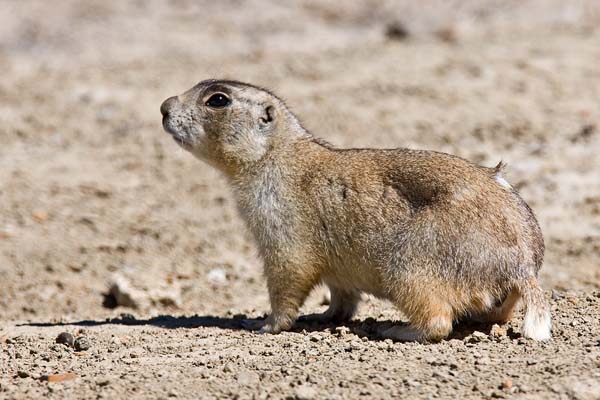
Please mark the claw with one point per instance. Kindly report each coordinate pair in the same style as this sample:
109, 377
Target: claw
266, 329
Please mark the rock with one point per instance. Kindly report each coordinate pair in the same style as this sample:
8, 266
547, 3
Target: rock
247, 377
124, 294
65, 338
82, 343
506, 384
217, 276
305, 392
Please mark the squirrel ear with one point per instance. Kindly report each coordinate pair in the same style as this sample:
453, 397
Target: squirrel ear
268, 115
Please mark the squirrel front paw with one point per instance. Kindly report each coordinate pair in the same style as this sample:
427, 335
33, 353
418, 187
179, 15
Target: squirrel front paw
270, 325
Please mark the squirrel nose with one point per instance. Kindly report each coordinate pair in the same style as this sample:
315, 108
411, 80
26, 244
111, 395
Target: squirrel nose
168, 105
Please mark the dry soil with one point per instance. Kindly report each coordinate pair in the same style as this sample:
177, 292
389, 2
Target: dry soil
93, 193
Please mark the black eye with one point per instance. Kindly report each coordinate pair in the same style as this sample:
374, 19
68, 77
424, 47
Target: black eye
218, 100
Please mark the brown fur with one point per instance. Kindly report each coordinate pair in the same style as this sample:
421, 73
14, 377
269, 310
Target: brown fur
438, 236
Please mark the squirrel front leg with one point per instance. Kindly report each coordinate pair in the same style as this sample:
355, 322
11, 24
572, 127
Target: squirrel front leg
289, 286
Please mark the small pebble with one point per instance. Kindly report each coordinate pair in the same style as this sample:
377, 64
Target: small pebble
136, 353
59, 377
82, 343
556, 295
40, 215
483, 361
447, 35
65, 338
217, 276
476, 337
103, 381
227, 368
480, 335
23, 374
115, 341
127, 317
506, 384
315, 337
498, 331
396, 31
342, 330
411, 382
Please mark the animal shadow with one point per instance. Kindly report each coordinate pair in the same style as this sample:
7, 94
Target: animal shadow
369, 327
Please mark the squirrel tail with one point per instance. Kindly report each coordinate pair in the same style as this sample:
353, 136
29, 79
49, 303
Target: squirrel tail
537, 323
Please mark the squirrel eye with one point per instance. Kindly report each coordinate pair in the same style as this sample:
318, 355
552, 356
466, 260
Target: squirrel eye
218, 100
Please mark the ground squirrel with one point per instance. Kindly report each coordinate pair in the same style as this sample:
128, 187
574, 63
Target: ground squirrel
441, 238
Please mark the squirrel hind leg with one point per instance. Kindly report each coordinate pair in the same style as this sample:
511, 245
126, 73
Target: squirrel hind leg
342, 307
343, 304
430, 321
434, 330
500, 314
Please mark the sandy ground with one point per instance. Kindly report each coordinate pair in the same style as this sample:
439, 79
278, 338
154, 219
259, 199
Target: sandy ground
92, 190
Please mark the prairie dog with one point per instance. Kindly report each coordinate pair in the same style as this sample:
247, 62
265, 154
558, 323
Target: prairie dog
441, 238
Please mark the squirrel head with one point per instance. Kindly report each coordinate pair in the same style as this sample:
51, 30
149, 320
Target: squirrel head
231, 125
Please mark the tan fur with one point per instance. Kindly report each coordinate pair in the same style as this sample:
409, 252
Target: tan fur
438, 236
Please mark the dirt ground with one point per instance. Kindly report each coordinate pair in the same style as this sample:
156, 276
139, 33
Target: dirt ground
94, 193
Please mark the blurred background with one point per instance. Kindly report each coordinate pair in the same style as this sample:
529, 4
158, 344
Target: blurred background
93, 194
